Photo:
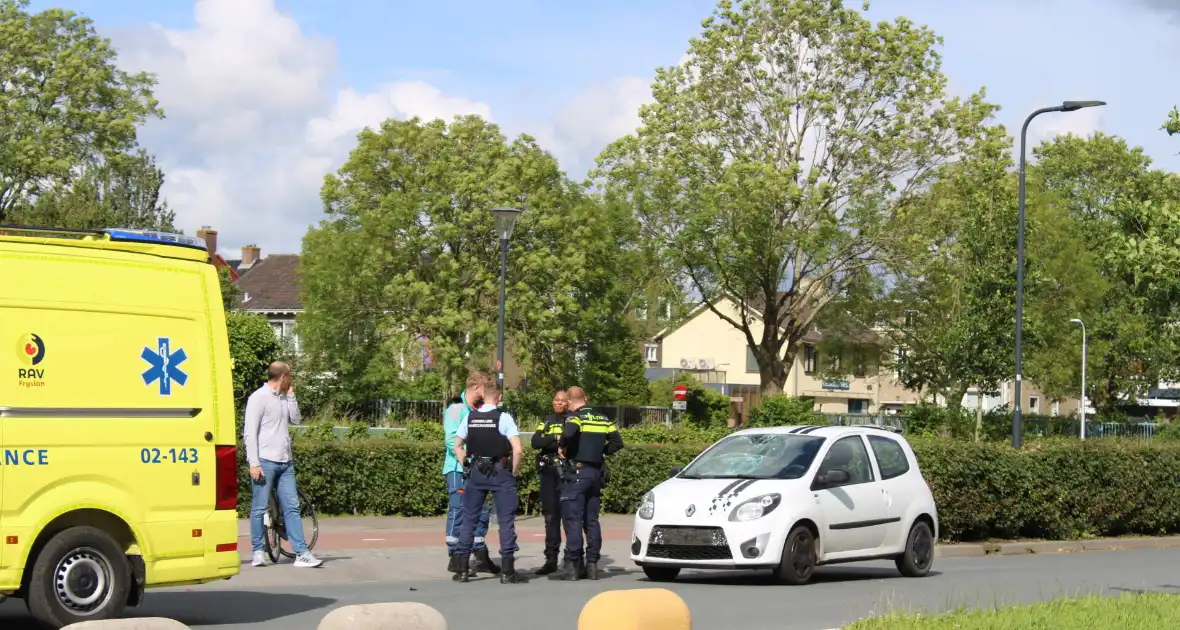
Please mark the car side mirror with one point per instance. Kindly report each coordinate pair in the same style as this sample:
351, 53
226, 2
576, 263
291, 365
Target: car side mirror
675, 471
835, 478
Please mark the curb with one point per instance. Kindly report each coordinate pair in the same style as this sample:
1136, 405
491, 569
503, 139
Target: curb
979, 550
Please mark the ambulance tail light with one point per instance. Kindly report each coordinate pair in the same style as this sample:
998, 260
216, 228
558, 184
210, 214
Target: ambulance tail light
227, 478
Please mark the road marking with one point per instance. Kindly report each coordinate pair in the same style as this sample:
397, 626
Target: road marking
372, 540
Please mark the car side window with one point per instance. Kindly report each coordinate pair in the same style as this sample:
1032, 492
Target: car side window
850, 455
891, 457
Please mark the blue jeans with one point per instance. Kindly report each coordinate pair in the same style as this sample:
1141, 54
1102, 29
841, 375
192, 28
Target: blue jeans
455, 487
281, 476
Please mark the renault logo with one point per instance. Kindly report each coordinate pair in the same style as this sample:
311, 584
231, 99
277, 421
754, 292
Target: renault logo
691, 510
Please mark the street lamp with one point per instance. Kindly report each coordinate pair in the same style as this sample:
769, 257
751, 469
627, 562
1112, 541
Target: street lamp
1067, 106
1083, 324
505, 221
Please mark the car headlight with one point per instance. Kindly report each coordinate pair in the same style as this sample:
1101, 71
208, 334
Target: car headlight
647, 509
755, 508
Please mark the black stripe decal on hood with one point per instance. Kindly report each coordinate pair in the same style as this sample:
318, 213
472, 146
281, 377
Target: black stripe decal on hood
728, 488
809, 430
801, 429
727, 496
742, 488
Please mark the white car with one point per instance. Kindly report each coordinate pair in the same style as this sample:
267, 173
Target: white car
789, 499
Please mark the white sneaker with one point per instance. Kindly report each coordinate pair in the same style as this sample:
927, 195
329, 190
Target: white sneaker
259, 559
307, 561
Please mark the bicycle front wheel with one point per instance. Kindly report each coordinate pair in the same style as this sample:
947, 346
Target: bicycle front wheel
311, 527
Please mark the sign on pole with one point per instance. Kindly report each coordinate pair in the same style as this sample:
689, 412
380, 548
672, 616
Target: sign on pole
680, 392
680, 405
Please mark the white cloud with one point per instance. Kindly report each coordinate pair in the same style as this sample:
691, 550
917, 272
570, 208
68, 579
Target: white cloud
253, 122
594, 118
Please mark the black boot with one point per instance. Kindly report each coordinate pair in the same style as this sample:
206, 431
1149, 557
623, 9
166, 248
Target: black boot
453, 565
568, 572
509, 575
591, 570
462, 574
582, 569
483, 562
550, 565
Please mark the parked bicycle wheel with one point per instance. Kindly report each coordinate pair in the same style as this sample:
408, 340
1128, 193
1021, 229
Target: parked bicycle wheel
277, 543
273, 530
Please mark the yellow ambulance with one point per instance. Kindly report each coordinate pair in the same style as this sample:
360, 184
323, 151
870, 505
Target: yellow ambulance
118, 462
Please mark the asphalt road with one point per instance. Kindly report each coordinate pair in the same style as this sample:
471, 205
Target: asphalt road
282, 597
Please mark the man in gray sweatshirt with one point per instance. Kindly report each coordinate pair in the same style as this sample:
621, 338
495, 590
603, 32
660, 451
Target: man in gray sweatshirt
270, 412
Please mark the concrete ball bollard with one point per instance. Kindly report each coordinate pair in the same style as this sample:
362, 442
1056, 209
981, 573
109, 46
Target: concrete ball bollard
390, 616
145, 623
646, 608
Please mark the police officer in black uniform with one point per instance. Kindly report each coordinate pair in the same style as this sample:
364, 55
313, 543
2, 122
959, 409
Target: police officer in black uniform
549, 471
488, 441
586, 439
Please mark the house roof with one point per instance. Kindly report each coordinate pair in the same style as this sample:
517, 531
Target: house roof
272, 284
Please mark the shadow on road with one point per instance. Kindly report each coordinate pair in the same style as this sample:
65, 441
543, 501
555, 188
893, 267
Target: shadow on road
822, 575
196, 608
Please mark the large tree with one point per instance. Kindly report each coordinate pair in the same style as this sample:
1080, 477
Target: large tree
408, 251
64, 104
1130, 215
784, 156
121, 191
952, 302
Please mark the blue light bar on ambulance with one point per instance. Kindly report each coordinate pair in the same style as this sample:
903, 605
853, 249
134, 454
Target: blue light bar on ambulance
149, 236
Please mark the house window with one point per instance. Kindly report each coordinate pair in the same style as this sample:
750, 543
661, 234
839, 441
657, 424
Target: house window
810, 358
651, 352
1034, 404
751, 361
858, 405
858, 363
285, 332
909, 319
1056, 408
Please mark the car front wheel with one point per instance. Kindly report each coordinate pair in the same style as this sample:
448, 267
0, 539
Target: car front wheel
919, 551
661, 574
80, 575
799, 557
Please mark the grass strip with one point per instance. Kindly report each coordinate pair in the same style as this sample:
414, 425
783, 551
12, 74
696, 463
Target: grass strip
1149, 611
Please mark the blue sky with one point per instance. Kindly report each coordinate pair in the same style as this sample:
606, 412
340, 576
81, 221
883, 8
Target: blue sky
264, 96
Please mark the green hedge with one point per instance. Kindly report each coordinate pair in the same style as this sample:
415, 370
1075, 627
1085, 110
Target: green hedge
1054, 489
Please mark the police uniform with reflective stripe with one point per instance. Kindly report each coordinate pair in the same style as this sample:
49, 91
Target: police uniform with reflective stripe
549, 471
588, 437
489, 452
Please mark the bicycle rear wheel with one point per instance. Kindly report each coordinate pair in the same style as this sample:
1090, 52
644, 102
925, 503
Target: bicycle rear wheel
311, 527
273, 530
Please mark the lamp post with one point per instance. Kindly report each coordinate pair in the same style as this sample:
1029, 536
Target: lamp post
505, 221
1067, 106
1083, 412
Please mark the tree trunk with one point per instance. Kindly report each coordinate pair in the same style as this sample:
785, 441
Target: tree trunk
978, 413
773, 371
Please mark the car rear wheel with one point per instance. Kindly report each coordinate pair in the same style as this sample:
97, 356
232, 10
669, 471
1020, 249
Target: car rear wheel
80, 575
661, 574
799, 557
919, 551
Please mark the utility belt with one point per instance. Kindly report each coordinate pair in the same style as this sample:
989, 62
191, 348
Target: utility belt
487, 465
551, 463
573, 469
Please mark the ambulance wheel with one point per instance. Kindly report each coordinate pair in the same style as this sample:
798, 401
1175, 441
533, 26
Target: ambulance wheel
80, 575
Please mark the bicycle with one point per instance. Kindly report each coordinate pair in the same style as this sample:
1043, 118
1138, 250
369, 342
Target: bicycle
275, 527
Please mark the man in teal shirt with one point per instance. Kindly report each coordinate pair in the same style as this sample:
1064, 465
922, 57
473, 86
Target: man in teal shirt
455, 415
